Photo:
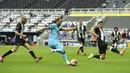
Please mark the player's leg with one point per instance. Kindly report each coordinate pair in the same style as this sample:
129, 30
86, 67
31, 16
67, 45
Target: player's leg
116, 51
82, 48
15, 48
81, 45
102, 51
59, 49
101, 56
27, 46
113, 49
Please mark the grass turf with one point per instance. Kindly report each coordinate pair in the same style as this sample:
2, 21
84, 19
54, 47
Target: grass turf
22, 62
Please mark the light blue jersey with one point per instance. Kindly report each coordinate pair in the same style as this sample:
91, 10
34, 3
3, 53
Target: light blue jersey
53, 36
54, 31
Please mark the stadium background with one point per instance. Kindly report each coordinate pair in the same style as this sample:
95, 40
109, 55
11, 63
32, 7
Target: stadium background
41, 13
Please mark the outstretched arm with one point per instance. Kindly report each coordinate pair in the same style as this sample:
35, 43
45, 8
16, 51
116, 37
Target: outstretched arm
68, 29
44, 28
73, 32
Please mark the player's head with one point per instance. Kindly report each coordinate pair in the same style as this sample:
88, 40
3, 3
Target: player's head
116, 29
23, 20
59, 21
100, 24
80, 23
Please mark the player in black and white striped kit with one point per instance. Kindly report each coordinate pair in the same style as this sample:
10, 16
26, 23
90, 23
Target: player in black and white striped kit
81, 30
116, 37
20, 41
102, 45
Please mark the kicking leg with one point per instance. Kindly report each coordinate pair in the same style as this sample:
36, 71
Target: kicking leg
27, 46
62, 52
113, 49
116, 51
59, 49
15, 48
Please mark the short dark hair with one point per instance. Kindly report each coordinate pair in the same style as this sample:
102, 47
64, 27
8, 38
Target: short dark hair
115, 28
100, 22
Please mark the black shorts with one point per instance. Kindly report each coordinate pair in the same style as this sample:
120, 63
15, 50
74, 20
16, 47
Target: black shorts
20, 42
115, 41
102, 47
81, 40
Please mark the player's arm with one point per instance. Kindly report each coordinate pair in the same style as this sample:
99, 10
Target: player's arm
17, 33
43, 28
68, 29
74, 31
92, 32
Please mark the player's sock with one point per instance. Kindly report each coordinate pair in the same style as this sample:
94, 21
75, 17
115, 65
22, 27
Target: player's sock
32, 54
96, 56
78, 51
65, 57
7, 53
82, 50
114, 50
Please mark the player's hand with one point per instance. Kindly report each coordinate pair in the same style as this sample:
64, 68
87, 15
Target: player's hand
24, 36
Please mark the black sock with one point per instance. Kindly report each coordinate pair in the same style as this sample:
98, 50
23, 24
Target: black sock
7, 53
96, 56
82, 49
115, 51
32, 54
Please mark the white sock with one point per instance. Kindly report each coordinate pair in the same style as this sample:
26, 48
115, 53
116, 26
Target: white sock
67, 62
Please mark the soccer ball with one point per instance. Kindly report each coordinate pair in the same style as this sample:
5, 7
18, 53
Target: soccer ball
73, 62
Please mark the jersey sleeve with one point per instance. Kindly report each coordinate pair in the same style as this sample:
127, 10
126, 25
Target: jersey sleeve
52, 26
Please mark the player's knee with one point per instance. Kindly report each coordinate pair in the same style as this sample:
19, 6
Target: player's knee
14, 50
102, 57
63, 52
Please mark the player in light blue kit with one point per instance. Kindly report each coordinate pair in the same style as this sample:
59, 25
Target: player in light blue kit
53, 41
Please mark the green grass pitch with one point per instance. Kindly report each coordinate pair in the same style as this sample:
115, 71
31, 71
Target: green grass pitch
22, 62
